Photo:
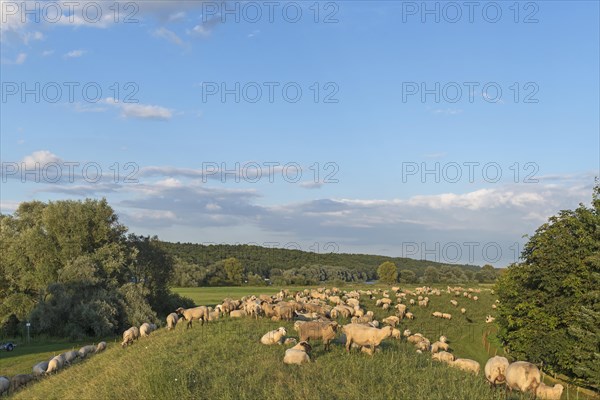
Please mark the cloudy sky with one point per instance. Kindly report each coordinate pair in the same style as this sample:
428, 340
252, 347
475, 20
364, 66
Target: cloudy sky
444, 131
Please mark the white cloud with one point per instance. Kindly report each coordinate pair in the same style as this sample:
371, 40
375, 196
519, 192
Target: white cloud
41, 158
166, 34
21, 58
311, 185
141, 111
47, 53
75, 54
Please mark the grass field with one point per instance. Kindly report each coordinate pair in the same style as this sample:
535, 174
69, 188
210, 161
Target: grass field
224, 360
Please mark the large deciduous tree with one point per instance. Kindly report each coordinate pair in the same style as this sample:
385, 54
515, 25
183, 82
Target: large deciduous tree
550, 302
387, 272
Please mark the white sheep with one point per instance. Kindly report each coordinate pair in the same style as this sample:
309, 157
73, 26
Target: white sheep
4, 384
365, 335
409, 315
70, 356
128, 336
443, 339
55, 364
495, 370
298, 354
237, 314
40, 368
406, 333
489, 319
290, 340
439, 346
146, 329
443, 356
463, 310
466, 365
85, 350
523, 376
172, 320
549, 392
101, 347
273, 337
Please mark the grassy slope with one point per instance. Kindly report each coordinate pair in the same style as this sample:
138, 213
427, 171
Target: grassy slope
223, 360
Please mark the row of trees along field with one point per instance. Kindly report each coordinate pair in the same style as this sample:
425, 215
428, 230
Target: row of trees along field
549, 308
207, 265
71, 269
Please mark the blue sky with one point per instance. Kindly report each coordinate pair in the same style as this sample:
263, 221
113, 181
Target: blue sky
155, 118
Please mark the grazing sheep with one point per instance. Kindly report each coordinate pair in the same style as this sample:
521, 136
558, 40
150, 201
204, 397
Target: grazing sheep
439, 346
466, 365
396, 333
85, 350
443, 339
284, 312
447, 316
273, 337
548, 392
365, 336
4, 384
101, 347
410, 315
40, 368
495, 370
172, 321
55, 364
128, 337
318, 330
290, 340
437, 314
523, 376
443, 356
237, 314
385, 306
416, 338
423, 345
392, 321
454, 303
489, 319
189, 314
20, 380
298, 354
463, 310
146, 329
406, 333
70, 356
475, 298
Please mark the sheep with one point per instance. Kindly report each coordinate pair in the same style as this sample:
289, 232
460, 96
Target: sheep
319, 330
416, 338
101, 347
466, 365
443, 356
128, 337
489, 319
55, 364
423, 345
172, 321
189, 314
214, 315
406, 333
523, 376
85, 350
284, 312
438, 346
385, 306
299, 354
548, 392
392, 321
306, 316
20, 380
290, 340
475, 298
454, 303
273, 337
443, 339
437, 314
365, 336
463, 310
146, 329
4, 384
396, 333
410, 315
237, 314
40, 368
495, 370
447, 316
70, 356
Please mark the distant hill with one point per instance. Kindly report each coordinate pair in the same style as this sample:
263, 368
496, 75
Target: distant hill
270, 262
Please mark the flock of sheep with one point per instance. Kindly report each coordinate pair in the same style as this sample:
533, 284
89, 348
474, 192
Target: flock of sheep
315, 313
43, 368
